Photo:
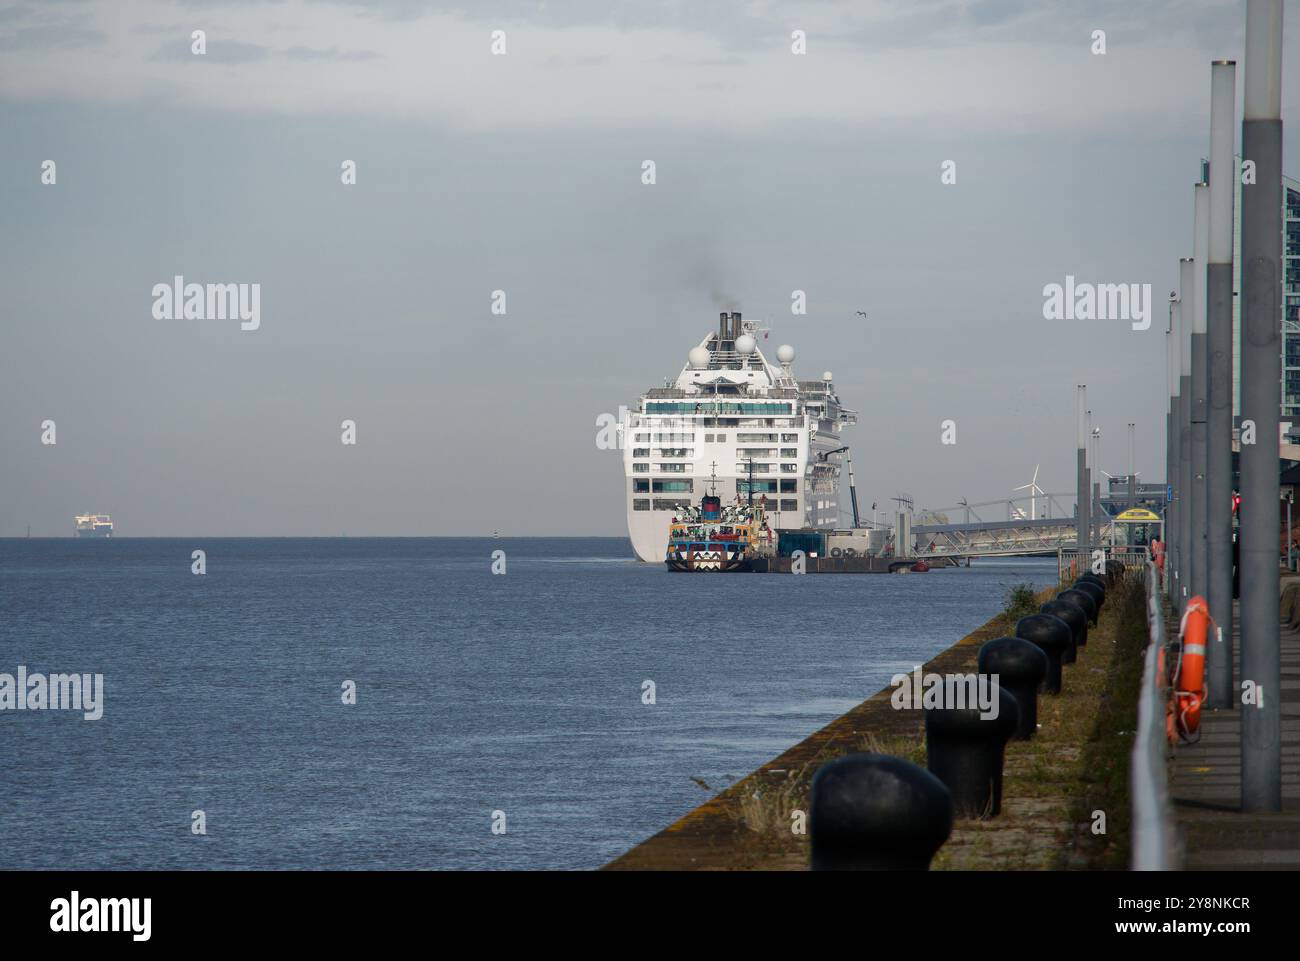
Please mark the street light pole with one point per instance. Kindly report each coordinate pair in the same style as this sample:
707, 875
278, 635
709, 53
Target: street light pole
1261, 372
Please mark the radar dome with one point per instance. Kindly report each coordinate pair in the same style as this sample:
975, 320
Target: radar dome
827, 375
785, 354
698, 358
745, 345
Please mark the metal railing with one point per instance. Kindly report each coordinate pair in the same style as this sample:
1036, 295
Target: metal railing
1067, 556
1152, 830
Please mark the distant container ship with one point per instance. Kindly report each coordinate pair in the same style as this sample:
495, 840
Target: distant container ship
94, 525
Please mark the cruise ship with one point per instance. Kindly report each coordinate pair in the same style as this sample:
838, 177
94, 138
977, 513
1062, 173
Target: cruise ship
94, 525
732, 423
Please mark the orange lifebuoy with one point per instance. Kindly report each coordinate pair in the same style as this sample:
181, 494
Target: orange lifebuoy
1189, 684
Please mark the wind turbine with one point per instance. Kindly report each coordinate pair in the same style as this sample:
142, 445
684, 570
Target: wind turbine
1034, 491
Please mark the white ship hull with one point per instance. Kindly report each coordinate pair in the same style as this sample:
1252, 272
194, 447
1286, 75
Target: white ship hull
732, 420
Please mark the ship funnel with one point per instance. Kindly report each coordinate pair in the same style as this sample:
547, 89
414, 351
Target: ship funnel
723, 327
735, 324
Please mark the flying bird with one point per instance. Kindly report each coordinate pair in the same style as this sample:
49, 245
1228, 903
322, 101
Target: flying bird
862, 313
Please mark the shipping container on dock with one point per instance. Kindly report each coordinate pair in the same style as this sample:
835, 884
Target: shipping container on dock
810, 540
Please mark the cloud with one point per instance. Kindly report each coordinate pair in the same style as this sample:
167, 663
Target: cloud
218, 51
929, 68
332, 54
52, 37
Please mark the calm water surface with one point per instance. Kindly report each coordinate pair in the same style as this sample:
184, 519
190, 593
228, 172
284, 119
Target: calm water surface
475, 693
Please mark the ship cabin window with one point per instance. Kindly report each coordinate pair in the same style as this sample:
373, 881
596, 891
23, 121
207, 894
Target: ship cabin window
720, 438
757, 452
789, 452
789, 486
640, 468
789, 468
661, 504
673, 486
717, 407
789, 505
789, 438
743, 468
759, 487
755, 438
672, 468
641, 504
641, 486
675, 452
641, 452
675, 438
642, 438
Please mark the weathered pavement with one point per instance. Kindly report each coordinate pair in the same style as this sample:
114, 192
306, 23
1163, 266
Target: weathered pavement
1205, 782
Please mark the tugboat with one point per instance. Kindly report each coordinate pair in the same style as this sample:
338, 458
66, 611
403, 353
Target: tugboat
717, 538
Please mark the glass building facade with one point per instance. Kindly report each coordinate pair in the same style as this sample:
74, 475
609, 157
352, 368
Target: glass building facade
1290, 386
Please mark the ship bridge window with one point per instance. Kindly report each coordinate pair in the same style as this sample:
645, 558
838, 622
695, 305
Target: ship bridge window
752, 408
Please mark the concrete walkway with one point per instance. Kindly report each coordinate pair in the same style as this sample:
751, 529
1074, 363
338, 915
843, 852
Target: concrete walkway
1205, 785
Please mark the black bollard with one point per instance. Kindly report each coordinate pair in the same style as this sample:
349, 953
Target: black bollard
1083, 600
1092, 578
1075, 617
1097, 594
1054, 637
873, 812
965, 751
1020, 666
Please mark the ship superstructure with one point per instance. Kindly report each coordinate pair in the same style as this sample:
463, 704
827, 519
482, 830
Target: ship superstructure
94, 525
734, 419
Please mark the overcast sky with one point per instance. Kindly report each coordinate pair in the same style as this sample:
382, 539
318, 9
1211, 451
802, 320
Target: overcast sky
522, 172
